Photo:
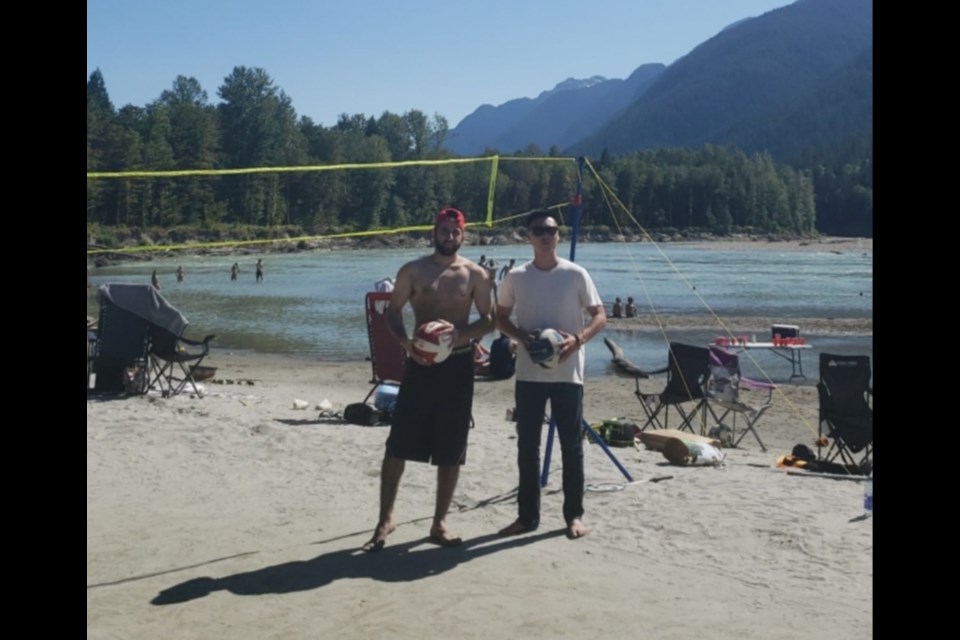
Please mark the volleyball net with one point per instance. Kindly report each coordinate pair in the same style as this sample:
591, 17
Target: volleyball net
326, 201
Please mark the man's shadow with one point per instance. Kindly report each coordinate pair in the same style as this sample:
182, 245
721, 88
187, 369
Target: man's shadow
397, 563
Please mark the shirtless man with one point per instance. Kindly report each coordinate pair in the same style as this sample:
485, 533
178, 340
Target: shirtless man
434, 404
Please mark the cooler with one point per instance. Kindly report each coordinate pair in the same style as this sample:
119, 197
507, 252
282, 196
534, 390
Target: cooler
784, 331
385, 397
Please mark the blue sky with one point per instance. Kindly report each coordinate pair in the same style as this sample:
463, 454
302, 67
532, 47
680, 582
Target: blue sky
369, 56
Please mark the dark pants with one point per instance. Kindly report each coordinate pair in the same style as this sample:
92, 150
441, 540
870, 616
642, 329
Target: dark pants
566, 408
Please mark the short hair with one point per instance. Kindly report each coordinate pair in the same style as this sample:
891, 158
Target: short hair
537, 214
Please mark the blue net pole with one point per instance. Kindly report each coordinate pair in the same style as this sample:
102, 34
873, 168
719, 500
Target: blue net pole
545, 474
576, 209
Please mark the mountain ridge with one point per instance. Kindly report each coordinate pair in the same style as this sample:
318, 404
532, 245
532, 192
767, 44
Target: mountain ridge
740, 88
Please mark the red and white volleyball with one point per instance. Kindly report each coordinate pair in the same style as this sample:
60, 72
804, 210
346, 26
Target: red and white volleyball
431, 342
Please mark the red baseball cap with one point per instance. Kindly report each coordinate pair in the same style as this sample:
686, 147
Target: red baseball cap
451, 214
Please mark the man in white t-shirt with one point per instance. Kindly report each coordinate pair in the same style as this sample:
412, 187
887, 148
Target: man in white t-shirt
549, 292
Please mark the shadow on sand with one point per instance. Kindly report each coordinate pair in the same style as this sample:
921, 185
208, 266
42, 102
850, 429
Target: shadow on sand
397, 563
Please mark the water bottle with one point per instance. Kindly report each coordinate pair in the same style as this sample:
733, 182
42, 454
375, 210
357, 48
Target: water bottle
868, 499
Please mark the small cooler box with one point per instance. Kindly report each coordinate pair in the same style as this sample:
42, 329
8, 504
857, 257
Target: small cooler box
385, 397
784, 331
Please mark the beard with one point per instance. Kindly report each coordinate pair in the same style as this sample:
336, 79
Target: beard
446, 249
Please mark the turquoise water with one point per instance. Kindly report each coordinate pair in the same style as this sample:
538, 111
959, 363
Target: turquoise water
311, 303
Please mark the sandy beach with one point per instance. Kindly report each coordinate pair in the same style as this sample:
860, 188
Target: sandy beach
238, 516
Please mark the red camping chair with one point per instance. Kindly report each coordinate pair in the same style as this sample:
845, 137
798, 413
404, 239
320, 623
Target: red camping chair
387, 356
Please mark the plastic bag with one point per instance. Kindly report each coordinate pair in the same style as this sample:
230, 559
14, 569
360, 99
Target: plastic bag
687, 454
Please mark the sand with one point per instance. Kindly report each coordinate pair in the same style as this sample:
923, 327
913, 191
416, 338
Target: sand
239, 516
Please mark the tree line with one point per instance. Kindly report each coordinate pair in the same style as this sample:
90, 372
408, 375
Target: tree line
712, 189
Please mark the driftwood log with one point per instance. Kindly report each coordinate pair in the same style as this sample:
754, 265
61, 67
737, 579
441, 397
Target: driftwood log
626, 367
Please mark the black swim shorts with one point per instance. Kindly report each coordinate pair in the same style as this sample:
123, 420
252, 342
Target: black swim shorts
432, 415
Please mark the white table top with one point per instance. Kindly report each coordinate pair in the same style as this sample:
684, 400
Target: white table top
764, 345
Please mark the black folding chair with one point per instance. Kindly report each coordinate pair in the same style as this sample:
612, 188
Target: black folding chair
172, 364
119, 359
687, 373
846, 412
140, 331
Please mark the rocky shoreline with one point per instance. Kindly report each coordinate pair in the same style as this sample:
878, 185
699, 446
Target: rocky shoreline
758, 325
135, 247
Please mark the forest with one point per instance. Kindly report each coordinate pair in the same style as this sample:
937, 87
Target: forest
712, 189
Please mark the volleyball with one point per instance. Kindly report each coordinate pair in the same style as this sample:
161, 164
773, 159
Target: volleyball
545, 349
431, 343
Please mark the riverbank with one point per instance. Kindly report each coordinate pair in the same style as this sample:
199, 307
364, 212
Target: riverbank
742, 324
133, 249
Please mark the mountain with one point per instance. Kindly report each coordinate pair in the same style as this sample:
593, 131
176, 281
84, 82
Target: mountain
753, 82
558, 117
835, 109
796, 76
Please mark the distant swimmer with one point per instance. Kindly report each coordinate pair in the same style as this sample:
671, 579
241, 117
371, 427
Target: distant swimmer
617, 311
505, 270
259, 269
155, 281
631, 308
234, 270
180, 273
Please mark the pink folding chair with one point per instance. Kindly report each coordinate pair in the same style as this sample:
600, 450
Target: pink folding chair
723, 390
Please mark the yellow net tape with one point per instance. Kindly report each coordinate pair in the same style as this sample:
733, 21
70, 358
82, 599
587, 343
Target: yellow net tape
494, 161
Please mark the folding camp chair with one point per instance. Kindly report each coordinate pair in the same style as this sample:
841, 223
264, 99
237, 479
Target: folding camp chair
846, 412
388, 358
723, 390
687, 373
169, 358
91, 350
154, 331
119, 360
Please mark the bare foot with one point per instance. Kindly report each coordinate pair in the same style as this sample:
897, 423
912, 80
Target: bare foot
514, 528
576, 529
379, 537
442, 537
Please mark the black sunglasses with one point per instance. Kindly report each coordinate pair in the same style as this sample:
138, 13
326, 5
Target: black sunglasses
544, 231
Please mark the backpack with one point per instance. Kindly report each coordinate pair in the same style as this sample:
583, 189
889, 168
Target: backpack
361, 413
503, 362
617, 433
